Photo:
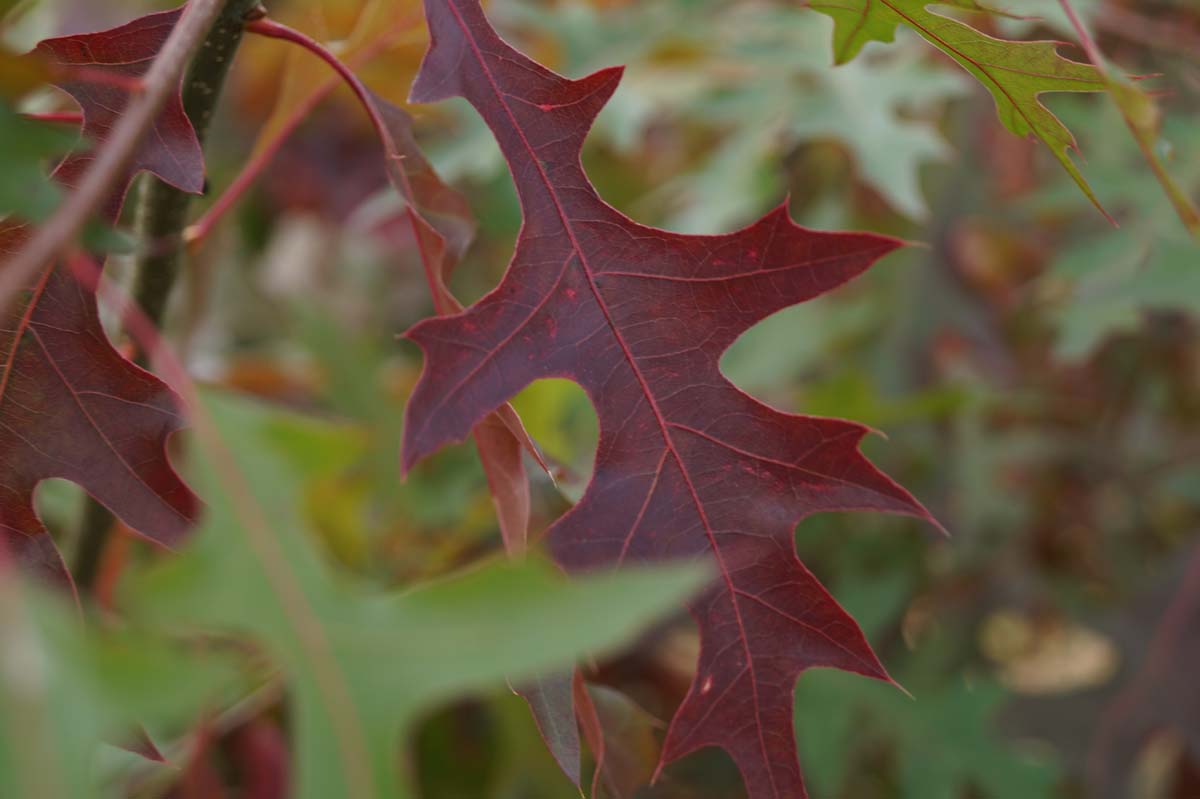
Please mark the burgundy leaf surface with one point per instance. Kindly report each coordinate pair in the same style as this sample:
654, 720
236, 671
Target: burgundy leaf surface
442, 223
100, 68
71, 406
687, 465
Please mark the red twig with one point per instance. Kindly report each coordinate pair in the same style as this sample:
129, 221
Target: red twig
444, 301
262, 158
58, 117
275, 30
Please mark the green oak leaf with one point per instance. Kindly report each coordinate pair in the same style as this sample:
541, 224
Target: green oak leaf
878, 111
1015, 73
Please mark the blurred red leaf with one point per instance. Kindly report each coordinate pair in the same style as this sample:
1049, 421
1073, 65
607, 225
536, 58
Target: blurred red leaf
71, 405
687, 465
99, 70
259, 751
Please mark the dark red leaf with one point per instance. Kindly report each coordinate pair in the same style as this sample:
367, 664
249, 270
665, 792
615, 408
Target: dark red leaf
71, 406
443, 226
100, 69
687, 465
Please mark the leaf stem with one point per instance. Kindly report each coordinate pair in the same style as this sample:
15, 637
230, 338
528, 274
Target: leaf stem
266, 152
274, 30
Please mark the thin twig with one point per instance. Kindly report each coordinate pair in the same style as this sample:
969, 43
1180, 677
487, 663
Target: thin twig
58, 117
514, 532
274, 30
134, 124
306, 626
253, 169
1142, 128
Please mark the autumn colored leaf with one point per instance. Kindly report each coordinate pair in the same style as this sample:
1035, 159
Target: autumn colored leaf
71, 406
108, 65
441, 222
687, 465
443, 226
1015, 73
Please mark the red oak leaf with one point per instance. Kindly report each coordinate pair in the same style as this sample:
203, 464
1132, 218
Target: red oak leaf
442, 224
99, 71
687, 465
71, 406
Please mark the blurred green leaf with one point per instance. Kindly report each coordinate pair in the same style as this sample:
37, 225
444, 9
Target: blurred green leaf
1015, 73
1105, 279
362, 665
877, 108
944, 739
25, 186
67, 690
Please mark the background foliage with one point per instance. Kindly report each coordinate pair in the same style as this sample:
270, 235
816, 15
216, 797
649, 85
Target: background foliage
1035, 370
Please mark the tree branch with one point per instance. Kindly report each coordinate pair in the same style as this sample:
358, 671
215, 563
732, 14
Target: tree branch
161, 214
162, 209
